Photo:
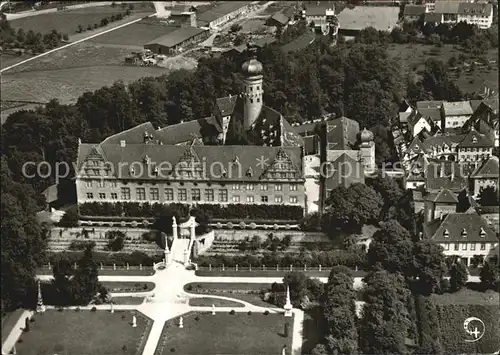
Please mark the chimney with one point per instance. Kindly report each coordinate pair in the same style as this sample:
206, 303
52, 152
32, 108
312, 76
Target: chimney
123, 144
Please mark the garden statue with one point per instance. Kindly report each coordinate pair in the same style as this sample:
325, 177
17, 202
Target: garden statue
181, 322
134, 321
213, 309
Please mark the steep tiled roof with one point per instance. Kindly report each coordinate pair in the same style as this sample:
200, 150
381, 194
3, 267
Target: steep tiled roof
299, 43
188, 131
226, 104
446, 175
433, 113
334, 155
416, 146
318, 8
177, 37
461, 228
488, 169
443, 196
429, 104
414, 10
457, 108
280, 18
440, 140
346, 171
475, 139
134, 135
212, 158
342, 133
290, 137
433, 17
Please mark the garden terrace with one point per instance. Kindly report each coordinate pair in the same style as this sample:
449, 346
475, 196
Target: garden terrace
240, 333
110, 259
216, 212
84, 332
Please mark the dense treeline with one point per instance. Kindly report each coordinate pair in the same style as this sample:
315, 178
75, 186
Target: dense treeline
34, 42
23, 241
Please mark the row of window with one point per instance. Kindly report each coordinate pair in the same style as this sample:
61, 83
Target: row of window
182, 195
248, 187
456, 246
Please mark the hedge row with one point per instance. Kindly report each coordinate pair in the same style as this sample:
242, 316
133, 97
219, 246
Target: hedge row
107, 259
242, 211
314, 259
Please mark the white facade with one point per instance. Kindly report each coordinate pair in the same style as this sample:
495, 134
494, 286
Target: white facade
420, 125
467, 250
474, 154
455, 121
483, 22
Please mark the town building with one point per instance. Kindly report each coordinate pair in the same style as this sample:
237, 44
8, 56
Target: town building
177, 40
485, 175
352, 21
173, 164
414, 12
453, 12
279, 20
319, 14
467, 236
222, 12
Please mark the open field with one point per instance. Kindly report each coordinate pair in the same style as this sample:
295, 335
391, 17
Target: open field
254, 25
84, 332
254, 334
128, 300
136, 34
413, 56
67, 21
217, 302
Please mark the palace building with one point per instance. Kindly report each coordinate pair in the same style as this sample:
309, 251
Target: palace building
190, 163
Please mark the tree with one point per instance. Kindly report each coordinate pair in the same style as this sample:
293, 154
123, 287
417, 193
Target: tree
235, 27
458, 276
488, 196
489, 275
85, 284
385, 320
63, 272
429, 265
350, 208
392, 249
340, 312
70, 218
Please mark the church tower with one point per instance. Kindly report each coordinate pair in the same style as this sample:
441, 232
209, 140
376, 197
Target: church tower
367, 150
253, 91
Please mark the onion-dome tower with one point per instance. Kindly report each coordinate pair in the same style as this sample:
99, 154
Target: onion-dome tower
253, 91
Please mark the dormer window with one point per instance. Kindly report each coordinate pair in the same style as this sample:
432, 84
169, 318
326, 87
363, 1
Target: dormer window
446, 234
146, 159
236, 160
482, 233
474, 139
224, 172
464, 233
249, 172
155, 170
131, 171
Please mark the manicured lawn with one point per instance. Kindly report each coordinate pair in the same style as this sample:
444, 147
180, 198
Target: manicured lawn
128, 300
217, 302
85, 332
234, 290
467, 296
9, 321
136, 34
117, 287
254, 334
68, 21
198, 287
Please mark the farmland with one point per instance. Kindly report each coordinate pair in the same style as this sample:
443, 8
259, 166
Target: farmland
68, 73
136, 34
68, 21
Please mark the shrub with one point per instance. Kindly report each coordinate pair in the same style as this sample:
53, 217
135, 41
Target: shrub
124, 347
65, 37
197, 318
70, 218
77, 309
232, 312
189, 287
266, 312
172, 350
249, 313
123, 317
93, 309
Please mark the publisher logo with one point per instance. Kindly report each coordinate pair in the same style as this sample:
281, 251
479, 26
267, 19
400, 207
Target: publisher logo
474, 328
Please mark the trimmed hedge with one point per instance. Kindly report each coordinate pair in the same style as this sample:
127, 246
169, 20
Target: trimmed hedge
452, 334
213, 211
107, 259
313, 259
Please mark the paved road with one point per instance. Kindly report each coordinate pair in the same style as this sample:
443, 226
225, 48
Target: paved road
11, 339
30, 13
